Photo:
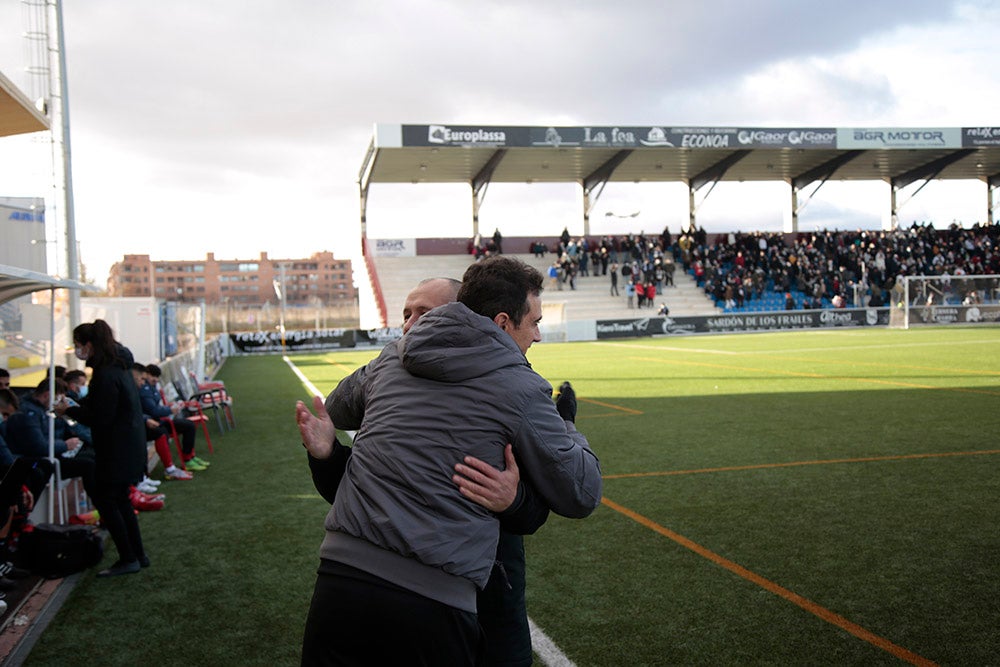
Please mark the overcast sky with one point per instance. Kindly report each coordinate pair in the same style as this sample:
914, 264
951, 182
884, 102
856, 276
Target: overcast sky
236, 127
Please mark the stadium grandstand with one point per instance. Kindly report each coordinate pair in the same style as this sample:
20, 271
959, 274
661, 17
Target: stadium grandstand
721, 274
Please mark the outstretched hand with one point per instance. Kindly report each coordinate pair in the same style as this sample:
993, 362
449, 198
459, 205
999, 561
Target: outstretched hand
484, 485
318, 432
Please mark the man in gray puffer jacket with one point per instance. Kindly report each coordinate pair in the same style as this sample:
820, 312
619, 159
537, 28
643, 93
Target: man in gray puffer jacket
404, 551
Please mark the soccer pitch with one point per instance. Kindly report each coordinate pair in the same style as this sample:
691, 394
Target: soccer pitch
789, 498
822, 497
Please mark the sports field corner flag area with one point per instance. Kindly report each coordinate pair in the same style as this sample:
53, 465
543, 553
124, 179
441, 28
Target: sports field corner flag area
823, 497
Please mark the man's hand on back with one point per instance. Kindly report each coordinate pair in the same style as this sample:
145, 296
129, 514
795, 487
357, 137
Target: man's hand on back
484, 485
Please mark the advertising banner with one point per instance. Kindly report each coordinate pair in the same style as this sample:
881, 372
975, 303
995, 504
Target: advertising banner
980, 136
740, 322
394, 247
253, 342
617, 137
955, 314
897, 137
378, 337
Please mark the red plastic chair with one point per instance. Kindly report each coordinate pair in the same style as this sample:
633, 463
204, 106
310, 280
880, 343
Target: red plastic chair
198, 417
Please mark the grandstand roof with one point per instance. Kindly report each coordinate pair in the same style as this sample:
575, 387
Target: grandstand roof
15, 282
17, 114
695, 155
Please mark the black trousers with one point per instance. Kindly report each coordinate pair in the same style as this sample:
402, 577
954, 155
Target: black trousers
185, 429
25, 471
358, 619
118, 517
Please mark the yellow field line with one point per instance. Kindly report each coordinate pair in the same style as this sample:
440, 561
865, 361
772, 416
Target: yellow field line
347, 369
609, 405
770, 586
791, 464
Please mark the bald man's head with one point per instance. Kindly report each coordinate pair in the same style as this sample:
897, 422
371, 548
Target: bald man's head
427, 295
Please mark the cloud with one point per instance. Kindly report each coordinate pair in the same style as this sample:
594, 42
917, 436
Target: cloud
237, 127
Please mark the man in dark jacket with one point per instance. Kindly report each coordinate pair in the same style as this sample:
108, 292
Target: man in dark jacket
154, 408
404, 550
28, 435
501, 605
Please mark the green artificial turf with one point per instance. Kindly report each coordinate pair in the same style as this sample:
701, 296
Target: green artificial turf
857, 469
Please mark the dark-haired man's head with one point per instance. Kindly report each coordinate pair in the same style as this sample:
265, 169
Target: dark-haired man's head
41, 392
4, 378
507, 291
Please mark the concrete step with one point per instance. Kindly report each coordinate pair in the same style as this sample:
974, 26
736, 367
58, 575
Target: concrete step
590, 300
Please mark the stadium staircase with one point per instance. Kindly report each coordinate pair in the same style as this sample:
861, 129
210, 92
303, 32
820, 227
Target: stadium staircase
591, 300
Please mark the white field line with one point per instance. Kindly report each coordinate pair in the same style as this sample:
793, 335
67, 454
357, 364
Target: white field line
640, 346
837, 348
546, 648
311, 387
305, 381
540, 642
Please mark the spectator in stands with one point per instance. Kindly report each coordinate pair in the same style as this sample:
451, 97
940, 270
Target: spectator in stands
554, 277
4, 378
629, 294
497, 242
113, 412
614, 279
419, 626
650, 293
153, 405
789, 301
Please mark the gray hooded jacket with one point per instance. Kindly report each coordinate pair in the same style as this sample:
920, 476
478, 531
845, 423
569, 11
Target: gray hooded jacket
454, 385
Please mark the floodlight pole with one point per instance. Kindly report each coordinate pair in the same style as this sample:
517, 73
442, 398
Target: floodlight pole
72, 258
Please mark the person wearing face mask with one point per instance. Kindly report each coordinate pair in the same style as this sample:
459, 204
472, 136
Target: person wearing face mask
76, 385
114, 414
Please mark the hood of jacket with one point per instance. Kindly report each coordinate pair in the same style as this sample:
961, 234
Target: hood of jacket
453, 344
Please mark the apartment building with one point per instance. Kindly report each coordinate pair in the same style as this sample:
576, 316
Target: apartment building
318, 279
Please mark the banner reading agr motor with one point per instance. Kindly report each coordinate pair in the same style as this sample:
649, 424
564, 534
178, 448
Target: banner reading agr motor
741, 322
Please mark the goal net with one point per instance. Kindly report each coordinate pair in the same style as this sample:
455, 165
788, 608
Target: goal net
553, 325
945, 299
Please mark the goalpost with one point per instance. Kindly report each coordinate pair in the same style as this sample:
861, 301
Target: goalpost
945, 299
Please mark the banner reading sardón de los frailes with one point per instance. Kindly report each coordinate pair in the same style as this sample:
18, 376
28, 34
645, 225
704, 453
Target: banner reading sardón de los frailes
741, 322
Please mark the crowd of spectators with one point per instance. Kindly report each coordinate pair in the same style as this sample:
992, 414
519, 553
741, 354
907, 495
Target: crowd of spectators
836, 268
820, 269
641, 262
